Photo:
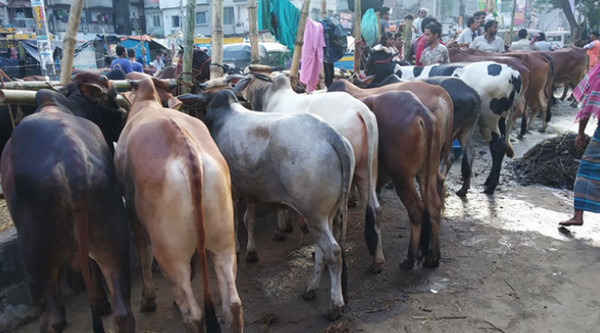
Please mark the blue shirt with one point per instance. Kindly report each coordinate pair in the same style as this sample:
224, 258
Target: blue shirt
136, 67
122, 64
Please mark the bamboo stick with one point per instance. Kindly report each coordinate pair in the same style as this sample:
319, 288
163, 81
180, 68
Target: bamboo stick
253, 30
216, 39
27, 97
37, 85
299, 39
69, 41
323, 9
407, 38
357, 35
508, 35
188, 49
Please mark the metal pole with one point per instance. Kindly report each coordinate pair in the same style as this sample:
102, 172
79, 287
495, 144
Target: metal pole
43, 38
253, 30
188, 49
69, 41
216, 39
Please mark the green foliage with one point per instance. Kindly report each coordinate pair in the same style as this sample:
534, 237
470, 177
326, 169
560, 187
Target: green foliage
589, 9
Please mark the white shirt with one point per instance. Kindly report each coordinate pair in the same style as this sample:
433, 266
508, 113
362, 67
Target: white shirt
544, 46
522, 45
481, 44
466, 36
158, 64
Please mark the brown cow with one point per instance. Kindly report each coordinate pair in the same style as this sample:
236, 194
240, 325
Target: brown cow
410, 143
178, 192
164, 89
570, 65
59, 182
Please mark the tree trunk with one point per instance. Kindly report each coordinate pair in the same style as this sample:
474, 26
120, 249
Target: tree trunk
576, 29
216, 39
69, 42
188, 48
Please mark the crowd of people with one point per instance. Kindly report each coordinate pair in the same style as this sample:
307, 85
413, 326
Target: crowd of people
128, 62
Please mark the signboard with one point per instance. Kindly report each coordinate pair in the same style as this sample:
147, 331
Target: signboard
43, 42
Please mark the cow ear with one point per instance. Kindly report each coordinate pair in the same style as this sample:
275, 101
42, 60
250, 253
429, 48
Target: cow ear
241, 85
93, 91
174, 103
368, 80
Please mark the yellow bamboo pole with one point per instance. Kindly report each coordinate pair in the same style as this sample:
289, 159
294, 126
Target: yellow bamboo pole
188, 49
299, 39
508, 35
69, 41
216, 39
407, 38
253, 30
357, 35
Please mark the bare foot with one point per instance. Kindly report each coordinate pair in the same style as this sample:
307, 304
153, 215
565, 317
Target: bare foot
574, 221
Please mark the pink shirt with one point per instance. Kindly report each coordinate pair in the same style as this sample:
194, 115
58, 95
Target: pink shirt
312, 54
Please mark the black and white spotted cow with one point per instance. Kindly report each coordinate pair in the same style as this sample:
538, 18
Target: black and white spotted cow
498, 85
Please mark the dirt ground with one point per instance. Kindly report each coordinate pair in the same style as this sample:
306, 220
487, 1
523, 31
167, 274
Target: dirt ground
505, 267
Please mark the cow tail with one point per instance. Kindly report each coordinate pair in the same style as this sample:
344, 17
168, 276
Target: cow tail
372, 162
195, 182
429, 135
79, 200
344, 152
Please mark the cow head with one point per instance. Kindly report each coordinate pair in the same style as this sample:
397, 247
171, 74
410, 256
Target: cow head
380, 63
200, 66
164, 88
254, 88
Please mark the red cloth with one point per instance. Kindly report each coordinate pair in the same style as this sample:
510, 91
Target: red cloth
419, 50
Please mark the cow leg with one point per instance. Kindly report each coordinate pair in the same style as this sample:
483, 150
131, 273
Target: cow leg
282, 217
225, 269
236, 224
414, 206
466, 165
330, 252
497, 149
249, 219
142, 240
565, 91
430, 233
178, 273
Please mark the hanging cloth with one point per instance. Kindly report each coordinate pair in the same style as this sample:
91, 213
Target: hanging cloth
369, 27
280, 17
312, 54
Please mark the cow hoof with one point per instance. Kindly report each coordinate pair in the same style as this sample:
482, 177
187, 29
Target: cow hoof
278, 236
148, 305
407, 264
251, 256
462, 193
376, 268
335, 313
489, 190
431, 263
309, 295
103, 308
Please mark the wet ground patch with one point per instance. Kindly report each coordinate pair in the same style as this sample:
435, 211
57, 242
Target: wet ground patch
552, 162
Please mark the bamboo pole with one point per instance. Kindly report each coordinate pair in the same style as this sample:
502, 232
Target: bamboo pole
323, 9
188, 49
69, 41
357, 35
508, 35
27, 97
37, 85
408, 22
299, 40
253, 30
216, 39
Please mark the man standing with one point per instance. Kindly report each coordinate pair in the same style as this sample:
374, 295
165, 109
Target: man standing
121, 63
384, 24
542, 44
480, 18
135, 66
523, 44
470, 33
158, 63
587, 187
593, 49
434, 53
489, 42
417, 28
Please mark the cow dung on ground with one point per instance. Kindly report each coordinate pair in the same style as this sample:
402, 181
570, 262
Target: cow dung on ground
552, 162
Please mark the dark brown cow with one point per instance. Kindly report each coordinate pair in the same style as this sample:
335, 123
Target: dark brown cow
59, 183
178, 192
403, 119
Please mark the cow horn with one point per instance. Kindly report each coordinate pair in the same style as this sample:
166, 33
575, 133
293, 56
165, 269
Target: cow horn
192, 99
134, 83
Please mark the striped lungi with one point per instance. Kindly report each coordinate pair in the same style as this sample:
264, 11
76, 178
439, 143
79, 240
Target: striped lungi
587, 184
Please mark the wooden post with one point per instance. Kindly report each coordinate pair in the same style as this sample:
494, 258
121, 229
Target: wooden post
253, 30
508, 35
323, 9
188, 48
69, 41
357, 35
299, 40
407, 38
216, 39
